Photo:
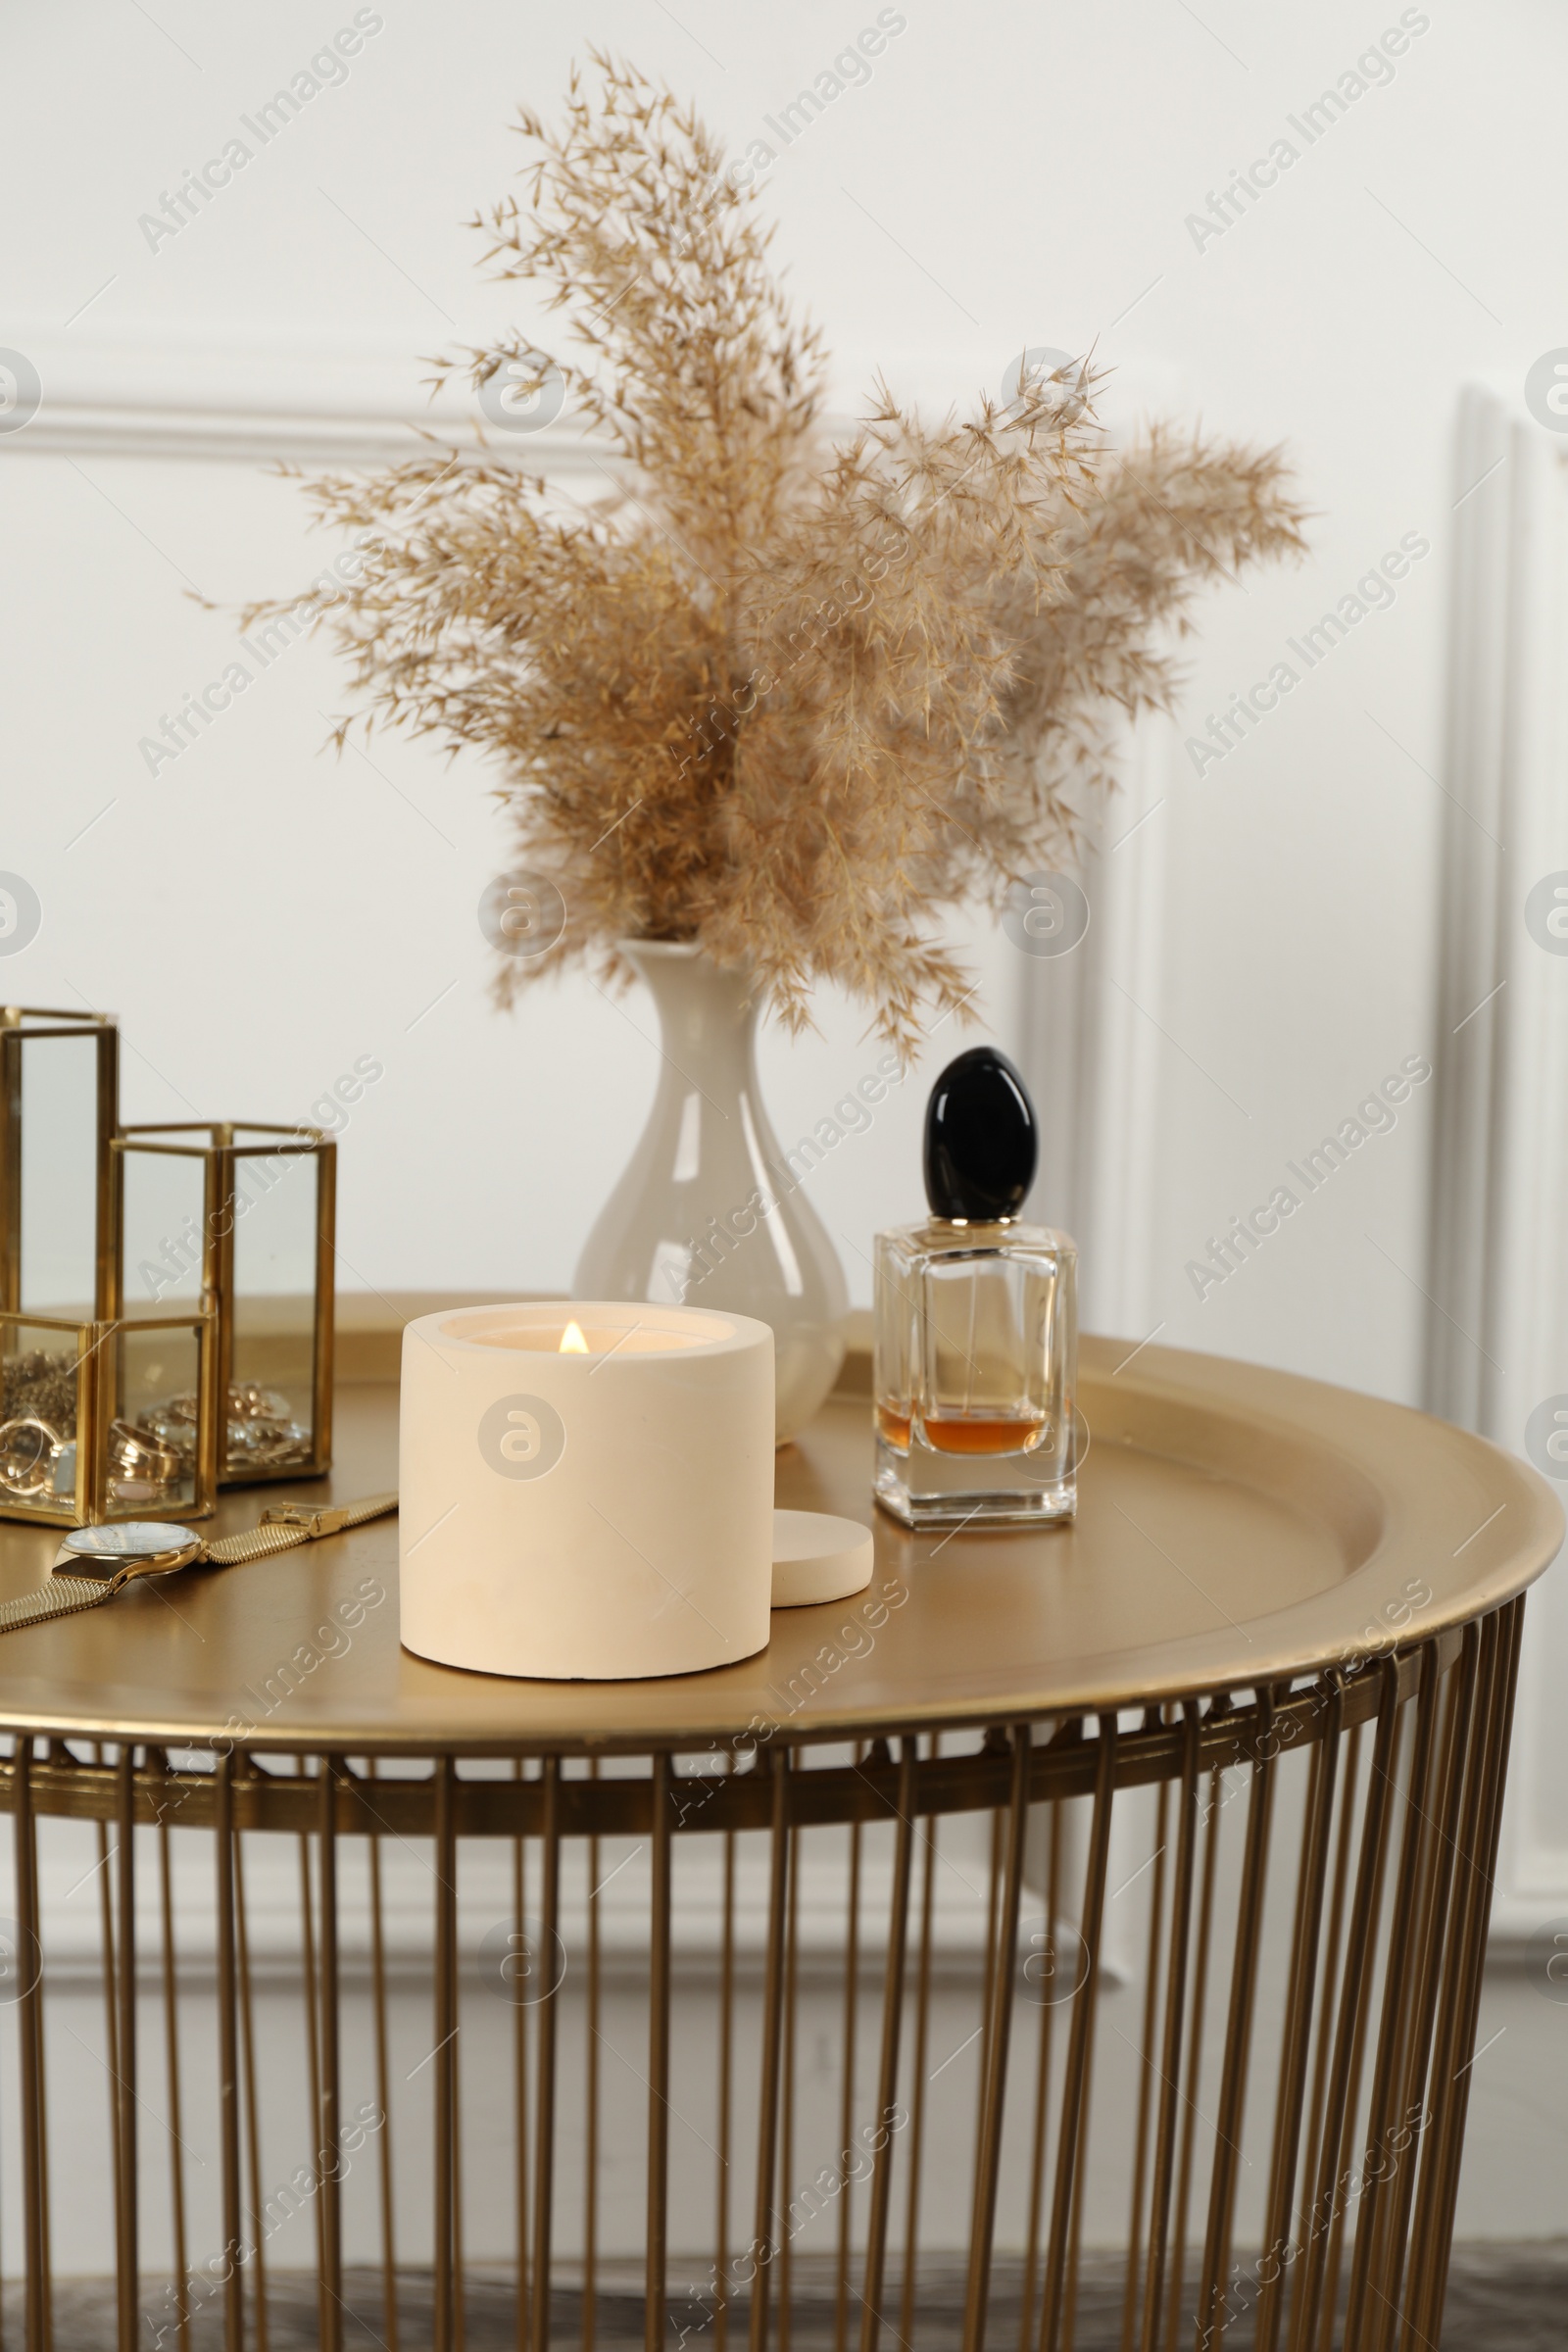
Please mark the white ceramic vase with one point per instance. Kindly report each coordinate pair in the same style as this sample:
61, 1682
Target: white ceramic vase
708, 1213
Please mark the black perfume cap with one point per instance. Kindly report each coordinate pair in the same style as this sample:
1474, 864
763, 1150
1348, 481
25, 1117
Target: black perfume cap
981, 1142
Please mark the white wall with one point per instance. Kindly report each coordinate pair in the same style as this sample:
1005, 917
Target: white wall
261, 914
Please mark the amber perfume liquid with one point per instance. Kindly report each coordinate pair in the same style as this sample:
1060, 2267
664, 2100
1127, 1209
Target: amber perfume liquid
976, 1346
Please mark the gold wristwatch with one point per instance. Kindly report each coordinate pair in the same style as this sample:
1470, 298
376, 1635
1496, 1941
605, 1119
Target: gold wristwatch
97, 1562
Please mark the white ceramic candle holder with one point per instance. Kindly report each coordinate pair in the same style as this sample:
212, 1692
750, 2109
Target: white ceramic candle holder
594, 1511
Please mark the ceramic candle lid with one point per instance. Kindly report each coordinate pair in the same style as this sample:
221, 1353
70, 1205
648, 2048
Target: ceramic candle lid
817, 1558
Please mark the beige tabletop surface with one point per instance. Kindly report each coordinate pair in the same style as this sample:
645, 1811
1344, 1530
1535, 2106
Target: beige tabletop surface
1235, 1526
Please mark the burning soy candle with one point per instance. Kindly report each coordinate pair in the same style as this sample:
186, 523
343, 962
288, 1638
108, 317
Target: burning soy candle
586, 1490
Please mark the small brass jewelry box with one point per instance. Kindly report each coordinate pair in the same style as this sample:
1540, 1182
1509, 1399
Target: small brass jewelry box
85, 1430
240, 1217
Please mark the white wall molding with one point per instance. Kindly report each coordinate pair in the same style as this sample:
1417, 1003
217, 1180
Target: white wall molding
139, 395
1497, 1336
253, 405
79, 425
1092, 1048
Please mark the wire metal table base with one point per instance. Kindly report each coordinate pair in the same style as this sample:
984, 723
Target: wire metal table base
1314, 1869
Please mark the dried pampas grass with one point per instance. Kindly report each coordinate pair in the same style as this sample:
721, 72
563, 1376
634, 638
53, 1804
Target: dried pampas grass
785, 698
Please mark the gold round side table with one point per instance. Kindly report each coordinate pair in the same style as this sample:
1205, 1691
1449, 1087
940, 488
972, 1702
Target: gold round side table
1190, 1810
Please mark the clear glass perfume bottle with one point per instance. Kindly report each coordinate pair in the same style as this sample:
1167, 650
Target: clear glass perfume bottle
976, 1327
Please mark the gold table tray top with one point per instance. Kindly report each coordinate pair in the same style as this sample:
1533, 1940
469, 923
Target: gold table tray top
1236, 1526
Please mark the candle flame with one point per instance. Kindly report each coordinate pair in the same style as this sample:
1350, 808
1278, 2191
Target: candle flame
572, 1342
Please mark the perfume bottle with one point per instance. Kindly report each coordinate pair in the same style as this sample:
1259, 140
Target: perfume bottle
976, 1338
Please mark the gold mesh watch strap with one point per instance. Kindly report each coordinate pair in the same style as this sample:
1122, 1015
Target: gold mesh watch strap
233, 1551
290, 1523
61, 1597
282, 1527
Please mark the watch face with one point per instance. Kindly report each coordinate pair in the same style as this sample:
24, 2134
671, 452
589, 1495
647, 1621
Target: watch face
134, 1540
